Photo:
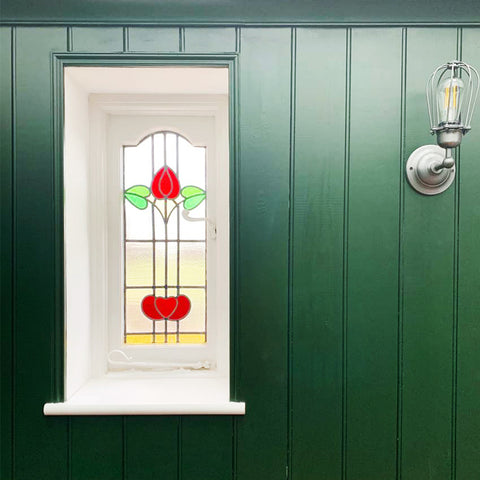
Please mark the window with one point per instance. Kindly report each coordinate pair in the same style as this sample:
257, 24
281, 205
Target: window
146, 175
164, 248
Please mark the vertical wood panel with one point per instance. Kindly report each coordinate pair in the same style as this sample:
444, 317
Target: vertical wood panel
143, 39
6, 204
263, 254
468, 380
102, 455
428, 283
318, 254
151, 448
207, 448
210, 40
372, 302
97, 448
40, 442
97, 39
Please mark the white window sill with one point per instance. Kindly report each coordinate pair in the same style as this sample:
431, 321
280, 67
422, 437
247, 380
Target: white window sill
149, 395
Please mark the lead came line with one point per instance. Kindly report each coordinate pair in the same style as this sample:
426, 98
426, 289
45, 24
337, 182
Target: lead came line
154, 255
166, 234
178, 236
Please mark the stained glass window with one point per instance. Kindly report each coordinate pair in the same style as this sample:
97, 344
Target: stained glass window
164, 241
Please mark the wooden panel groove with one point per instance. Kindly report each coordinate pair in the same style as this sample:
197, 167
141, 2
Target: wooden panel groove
346, 207
290, 247
263, 242
98, 40
401, 219
428, 245
6, 253
316, 330
39, 441
162, 39
210, 40
373, 243
467, 449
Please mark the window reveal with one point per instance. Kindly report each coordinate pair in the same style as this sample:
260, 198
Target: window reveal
164, 245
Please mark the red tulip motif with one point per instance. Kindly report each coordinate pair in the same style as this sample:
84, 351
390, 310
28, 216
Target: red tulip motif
165, 184
166, 308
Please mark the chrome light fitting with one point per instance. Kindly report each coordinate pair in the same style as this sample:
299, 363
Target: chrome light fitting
451, 95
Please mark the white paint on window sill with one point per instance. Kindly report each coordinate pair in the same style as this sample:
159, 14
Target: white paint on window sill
149, 395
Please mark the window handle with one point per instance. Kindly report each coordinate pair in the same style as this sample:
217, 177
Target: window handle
211, 226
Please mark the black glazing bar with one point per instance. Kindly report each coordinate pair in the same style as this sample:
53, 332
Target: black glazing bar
178, 235
166, 233
154, 279
124, 254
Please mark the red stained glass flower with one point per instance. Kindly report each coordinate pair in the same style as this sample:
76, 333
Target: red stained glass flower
165, 184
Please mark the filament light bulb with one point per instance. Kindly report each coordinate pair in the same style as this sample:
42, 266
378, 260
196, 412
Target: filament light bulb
449, 98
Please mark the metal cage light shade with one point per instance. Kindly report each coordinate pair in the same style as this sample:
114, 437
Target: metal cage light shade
451, 94
452, 91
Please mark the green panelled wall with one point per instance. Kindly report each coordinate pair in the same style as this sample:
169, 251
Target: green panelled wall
363, 296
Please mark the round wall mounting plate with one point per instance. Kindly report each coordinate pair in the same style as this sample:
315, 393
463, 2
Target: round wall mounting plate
421, 175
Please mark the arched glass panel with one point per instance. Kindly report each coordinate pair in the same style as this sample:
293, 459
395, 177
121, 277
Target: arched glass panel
164, 241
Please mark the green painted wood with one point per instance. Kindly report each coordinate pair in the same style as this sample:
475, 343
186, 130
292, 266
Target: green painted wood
91, 39
97, 448
468, 380
6, 252
206, 448
151, 447
153, 39
373, 237
208, 40
428, 284
318, 254
40, 442
263, 252
225, 11
256, 446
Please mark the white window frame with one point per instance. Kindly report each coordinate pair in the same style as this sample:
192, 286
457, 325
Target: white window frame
167, 383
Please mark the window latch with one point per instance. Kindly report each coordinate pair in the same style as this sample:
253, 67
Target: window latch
211, 226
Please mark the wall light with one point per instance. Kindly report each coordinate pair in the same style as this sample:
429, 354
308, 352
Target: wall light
451, 94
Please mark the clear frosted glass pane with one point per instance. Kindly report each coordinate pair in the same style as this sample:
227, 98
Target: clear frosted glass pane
138, 164
139, 264
138, 223
159, 152
136, 321
171, 140
192, 263
195, 321
192, 162
171, 264
191, 230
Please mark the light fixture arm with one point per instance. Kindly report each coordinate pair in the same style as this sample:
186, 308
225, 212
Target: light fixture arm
451, 92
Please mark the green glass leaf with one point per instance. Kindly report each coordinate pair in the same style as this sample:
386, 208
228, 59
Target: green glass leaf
139, 191
136, 201
190, 191
194, 201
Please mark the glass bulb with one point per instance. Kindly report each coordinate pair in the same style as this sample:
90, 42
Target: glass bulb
449, 97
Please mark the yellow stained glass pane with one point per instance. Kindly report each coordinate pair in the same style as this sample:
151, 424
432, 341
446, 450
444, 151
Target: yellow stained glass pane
192, 263
190, 338
138, 264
